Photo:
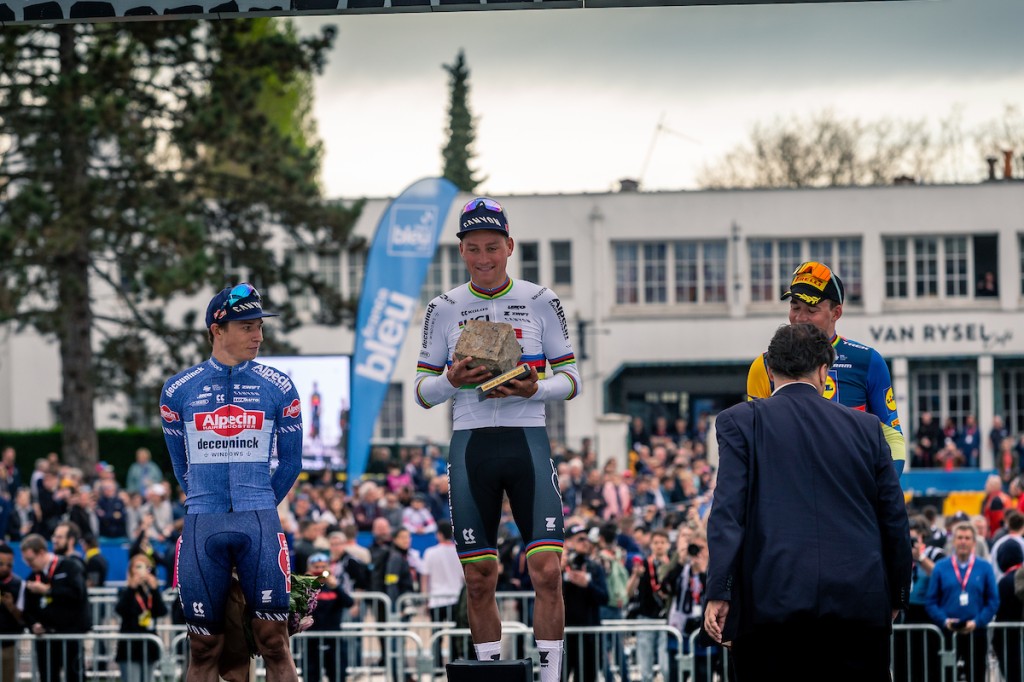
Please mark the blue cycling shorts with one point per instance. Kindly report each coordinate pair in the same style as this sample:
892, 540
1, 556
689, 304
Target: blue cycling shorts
211, 546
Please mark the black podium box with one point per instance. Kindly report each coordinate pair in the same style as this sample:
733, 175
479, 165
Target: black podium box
520, 670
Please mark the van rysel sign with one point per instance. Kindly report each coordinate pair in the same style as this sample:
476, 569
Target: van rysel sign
969, 332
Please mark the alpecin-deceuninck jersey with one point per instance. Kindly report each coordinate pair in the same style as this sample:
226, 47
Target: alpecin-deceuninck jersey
221, 425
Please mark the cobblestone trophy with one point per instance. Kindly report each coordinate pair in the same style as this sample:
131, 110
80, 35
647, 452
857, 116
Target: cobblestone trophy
492, 345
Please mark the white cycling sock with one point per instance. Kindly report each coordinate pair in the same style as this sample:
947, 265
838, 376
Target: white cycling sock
488, 651
550, 651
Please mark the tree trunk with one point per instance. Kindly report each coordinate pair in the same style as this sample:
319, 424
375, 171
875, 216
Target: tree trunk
78, 392
74, 307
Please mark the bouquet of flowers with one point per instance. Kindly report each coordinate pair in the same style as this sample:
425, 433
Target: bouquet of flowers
301, 603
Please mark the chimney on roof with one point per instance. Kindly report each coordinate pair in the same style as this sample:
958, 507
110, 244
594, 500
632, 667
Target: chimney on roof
1007, 164
629, 185
991, 161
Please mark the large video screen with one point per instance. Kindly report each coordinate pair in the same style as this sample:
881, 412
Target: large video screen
323, 383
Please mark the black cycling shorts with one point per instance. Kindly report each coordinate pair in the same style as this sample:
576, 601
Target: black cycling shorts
486, 463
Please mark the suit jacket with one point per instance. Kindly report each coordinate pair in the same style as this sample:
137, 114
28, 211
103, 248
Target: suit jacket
827, 534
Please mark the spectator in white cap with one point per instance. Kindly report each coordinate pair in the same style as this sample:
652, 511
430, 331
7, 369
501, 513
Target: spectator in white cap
158, 506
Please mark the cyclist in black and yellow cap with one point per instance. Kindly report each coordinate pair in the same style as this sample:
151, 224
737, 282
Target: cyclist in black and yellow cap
859, 378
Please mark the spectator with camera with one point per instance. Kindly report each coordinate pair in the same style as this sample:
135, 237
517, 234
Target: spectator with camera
326, 655
584, 592
962, 599
914, 651
687, 576
647, 586
140, 605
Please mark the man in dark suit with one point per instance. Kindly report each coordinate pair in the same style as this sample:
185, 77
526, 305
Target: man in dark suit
809, 541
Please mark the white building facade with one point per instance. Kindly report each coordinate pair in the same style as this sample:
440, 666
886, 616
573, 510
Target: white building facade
670, 295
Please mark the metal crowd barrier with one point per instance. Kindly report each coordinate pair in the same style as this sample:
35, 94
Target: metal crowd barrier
385, 640
92, 654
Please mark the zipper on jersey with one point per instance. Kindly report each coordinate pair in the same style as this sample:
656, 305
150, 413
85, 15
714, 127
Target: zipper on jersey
230, 390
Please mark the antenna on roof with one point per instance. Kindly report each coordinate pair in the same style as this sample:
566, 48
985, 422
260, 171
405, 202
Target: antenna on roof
658, 130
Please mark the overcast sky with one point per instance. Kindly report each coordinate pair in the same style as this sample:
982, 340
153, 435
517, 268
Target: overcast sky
569, 100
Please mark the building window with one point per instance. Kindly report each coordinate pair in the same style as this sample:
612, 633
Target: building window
670, 272
926, 268
790, 258
714, 272
300, 262
329, 266
529, 261
355, 271
895, 268
1013, 399
1020, 249
390, 423
848, 264
627, 273
931, 268
655, 282
433, 285
820, 250
956, 266
762, 284
687, 272
773, 261
561, 262
446, 271
555, 420
946, 393
457, 272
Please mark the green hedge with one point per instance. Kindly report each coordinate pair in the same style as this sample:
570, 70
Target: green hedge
116, 447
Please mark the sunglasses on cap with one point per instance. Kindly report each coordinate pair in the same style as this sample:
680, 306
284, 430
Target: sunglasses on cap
814, 269
489, 204
240, 291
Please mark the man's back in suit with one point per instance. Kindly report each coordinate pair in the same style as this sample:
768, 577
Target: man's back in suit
818, 557
815, 519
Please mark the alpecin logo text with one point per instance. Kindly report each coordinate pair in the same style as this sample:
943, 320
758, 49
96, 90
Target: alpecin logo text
229, 420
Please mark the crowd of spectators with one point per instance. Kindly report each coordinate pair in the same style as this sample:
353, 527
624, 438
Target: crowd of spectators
949, 446
637, 519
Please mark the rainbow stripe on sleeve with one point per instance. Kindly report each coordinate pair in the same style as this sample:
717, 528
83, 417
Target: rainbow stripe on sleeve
432, 370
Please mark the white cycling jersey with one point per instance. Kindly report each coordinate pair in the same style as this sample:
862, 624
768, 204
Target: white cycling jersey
536, 315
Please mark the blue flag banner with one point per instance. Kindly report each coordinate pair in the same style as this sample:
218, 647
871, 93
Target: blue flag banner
396, 266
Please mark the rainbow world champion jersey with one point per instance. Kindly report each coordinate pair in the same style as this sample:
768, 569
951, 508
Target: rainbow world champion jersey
538, 319
859, 379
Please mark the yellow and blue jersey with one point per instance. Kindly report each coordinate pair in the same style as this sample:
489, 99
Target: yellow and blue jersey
859, 379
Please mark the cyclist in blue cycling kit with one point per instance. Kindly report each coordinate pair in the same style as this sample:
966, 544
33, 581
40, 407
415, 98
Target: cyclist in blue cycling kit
859, 378
500, 445
223, 420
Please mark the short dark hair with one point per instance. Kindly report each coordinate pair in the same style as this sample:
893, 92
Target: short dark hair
444, 529
798, 350
74, 532
6, 549
1014, 519
33, 542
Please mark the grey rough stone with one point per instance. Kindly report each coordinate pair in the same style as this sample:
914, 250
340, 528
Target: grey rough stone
491, 344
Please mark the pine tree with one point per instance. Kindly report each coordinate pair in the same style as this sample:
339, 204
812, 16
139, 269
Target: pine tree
461, 134
144, 163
